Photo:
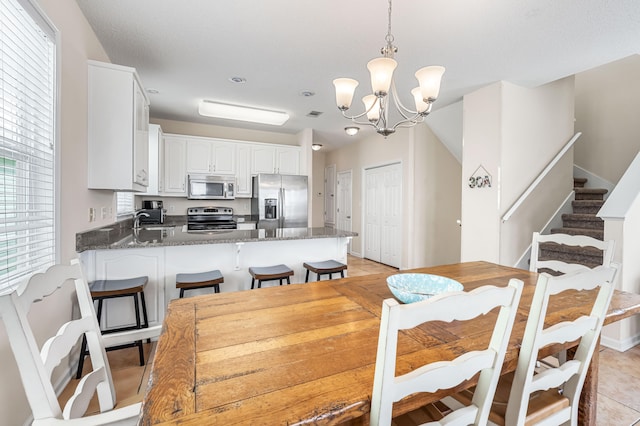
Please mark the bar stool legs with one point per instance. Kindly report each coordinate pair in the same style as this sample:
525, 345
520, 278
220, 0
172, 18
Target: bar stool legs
327, 267
270, 273
111, 289
199, 280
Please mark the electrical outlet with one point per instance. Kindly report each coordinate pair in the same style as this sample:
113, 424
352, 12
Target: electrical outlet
172, 208
92, 214
103, 212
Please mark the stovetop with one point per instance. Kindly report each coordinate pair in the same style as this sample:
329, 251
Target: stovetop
210, 218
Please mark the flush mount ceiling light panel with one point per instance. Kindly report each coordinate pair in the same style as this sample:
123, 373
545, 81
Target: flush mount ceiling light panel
242, 113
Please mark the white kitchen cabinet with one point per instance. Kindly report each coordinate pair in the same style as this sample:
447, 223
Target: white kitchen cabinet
209, 156
155, 146
288, 160
263, 159
118, 129
267, 158
174, 180
243, 171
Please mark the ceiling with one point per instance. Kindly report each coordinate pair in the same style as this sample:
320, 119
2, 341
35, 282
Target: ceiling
188, 50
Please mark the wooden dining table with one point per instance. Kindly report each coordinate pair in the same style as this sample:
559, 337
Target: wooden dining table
305, 353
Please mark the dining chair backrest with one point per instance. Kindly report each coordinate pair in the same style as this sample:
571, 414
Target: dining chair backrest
455, 306
571, 375
36, 364
560, 266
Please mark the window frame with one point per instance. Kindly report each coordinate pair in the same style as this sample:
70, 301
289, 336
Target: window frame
33, 10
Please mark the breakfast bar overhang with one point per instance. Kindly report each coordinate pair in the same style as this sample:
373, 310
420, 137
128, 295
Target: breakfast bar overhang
162, 252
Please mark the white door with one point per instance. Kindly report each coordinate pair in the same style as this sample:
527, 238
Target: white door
383, 214
371, 215
390, 241
330, 195
343, 210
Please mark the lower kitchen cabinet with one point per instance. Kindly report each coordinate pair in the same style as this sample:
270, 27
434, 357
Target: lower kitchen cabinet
129, 263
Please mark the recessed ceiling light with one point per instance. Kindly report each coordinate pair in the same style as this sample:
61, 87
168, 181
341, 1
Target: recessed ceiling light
153, 91
237, 79
242, 113
307, 93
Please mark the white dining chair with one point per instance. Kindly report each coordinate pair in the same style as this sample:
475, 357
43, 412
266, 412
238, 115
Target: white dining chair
37, 364
550, 396
557, 266
456, 306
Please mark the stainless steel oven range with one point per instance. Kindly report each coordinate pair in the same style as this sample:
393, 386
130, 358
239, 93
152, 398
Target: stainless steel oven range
206, 219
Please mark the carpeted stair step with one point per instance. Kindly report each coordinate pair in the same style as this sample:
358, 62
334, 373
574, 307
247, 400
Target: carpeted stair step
595, 233
590, 193
588, 256
588, 221
579, 182
587, 206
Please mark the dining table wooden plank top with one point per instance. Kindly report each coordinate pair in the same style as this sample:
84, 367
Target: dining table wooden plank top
305, 353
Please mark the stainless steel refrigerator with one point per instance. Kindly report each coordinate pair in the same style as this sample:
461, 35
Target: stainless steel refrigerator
279, 201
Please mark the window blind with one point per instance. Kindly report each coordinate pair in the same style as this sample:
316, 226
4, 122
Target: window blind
27, 134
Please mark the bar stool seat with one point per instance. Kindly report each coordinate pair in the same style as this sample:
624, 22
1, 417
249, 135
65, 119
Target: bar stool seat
197, 280
327, 267
270, 273
110, 289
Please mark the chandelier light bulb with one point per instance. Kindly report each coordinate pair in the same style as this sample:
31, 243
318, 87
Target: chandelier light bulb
421, 105
345, 88
372, 105
429, 79
381, 70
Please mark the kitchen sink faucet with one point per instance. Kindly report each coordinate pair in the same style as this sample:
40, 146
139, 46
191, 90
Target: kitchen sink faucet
136, 220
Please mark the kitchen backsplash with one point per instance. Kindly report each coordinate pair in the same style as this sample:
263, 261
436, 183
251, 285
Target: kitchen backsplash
177, 206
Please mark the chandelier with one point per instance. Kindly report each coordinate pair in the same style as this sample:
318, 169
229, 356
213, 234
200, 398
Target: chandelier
377, 105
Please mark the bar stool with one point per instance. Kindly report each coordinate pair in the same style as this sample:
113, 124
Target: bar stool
327, 267
110, 289
270, 273
199, 280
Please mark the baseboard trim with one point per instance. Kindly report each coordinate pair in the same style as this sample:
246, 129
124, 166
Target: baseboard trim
620, 345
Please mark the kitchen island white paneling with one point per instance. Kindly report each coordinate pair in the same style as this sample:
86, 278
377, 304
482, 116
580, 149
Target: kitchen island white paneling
115, 253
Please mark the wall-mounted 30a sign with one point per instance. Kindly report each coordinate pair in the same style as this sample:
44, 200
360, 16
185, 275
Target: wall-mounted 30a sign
481, 178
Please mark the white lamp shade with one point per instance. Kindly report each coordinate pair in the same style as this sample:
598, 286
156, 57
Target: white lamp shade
381, 70
429, 79
369, 101
345, 87
421, 105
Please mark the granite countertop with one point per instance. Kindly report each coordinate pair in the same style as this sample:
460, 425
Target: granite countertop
174, 233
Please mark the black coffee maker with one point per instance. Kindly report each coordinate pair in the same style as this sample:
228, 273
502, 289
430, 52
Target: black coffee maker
154, 210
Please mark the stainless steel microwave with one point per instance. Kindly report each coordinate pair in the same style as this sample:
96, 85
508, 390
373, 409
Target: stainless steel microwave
207, 187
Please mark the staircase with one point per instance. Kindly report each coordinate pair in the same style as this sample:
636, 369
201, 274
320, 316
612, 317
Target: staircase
582, 221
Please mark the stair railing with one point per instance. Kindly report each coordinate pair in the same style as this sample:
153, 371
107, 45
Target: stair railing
541, 176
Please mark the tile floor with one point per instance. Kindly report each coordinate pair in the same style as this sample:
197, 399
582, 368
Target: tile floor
618, 389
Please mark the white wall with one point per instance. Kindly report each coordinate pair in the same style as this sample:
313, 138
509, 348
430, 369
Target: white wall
431, 190
607, 105
512, 133
77, 44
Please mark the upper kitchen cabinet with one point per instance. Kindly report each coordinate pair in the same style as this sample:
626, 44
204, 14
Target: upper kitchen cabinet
118, 145
173, 177
267, 158
209, 156
155, 146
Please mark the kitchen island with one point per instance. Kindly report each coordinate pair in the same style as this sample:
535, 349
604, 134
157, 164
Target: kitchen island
162, 251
